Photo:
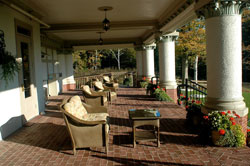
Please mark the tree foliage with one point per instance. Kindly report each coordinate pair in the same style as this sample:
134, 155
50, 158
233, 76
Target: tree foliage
192, 40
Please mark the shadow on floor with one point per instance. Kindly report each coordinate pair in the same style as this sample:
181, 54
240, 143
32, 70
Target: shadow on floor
45, 135
128, 161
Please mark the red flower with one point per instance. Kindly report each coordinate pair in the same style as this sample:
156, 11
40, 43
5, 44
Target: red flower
188, 98
164, 89
193, 101
186, 106
184, 97
223, 113
180, 102
205, 117
248, 130
238, 116
233, 123
158, 86
154, 88
222, 131
229, 111
181, 94
231, 119
144, 78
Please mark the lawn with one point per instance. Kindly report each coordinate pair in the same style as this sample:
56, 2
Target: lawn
246, 96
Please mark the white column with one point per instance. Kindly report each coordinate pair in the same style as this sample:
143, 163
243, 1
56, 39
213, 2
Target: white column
149, 67
224, 66
139, 62
166, 46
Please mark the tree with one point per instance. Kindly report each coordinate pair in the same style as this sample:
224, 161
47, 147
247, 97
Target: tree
191, 45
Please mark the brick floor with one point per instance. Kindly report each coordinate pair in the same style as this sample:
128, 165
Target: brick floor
45, 141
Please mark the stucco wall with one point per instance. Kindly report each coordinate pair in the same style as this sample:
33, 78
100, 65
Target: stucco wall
10, 113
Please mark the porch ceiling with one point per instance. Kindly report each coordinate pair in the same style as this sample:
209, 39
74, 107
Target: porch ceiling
131, 21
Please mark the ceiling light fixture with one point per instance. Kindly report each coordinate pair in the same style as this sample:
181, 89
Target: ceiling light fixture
100, 38
105, 22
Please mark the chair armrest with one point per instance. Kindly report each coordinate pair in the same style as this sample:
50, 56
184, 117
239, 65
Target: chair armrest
94, 93
80, 121
112, 89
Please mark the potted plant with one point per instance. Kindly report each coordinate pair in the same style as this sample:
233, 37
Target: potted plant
151, 89
224, 130
8, 62
194, 114
161, 95
248, 137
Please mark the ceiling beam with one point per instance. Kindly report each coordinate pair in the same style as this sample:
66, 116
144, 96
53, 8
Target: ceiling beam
72, 43
97, 26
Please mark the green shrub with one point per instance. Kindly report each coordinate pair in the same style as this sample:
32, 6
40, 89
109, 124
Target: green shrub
144, 84
239, 135
127, 81
161, 95
228, 140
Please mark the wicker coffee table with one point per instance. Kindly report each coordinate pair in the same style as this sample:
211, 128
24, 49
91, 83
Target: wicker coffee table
143, 117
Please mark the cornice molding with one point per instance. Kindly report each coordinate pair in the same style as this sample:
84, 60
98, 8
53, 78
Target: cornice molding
149, 47
119, 25
222, 8
168, 37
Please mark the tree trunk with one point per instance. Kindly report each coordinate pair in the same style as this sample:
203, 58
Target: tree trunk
184, 69
118, 59
196, 69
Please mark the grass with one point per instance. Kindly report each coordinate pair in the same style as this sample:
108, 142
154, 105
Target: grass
246, 96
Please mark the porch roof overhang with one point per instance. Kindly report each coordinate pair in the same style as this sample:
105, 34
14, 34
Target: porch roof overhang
76, 22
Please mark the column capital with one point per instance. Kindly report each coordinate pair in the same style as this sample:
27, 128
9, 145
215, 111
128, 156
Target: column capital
149, 47
168, 37
222, 8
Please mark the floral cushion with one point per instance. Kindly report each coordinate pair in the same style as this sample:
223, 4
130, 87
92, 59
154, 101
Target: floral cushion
86, 89
98, 84
106, 78
96, 117
76, 112
76, 100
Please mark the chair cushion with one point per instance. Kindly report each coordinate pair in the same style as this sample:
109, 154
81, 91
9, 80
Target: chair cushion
96, 117
76, 100
113, 93
86, 89
75, 111
106, 78
99, 85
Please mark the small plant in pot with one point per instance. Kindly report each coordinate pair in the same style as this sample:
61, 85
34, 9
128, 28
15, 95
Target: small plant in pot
161, 95
151, 89
194, 115
224, 130
8, 62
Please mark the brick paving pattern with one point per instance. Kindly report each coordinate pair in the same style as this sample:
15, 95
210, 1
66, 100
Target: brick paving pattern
45, 141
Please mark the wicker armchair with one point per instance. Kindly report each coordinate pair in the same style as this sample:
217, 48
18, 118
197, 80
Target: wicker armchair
99, 87
94, 98
110, 83
87, 125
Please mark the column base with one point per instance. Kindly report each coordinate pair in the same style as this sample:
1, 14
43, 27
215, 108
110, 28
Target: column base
173, 94
168, 85
68, 87
237, 105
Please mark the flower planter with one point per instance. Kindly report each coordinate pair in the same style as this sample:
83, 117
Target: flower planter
248, 141
215, 137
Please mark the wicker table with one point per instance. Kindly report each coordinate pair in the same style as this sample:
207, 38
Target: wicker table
142, 117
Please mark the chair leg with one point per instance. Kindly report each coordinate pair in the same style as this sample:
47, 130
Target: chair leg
74, 150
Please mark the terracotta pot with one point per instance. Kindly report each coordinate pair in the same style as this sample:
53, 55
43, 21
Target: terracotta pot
215, 137
248, 141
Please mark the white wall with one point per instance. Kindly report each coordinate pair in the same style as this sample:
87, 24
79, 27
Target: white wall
10, 114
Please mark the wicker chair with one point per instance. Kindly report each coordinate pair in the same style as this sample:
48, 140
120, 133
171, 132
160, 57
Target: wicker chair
87, 125
110, 83
99, 87
94, 98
